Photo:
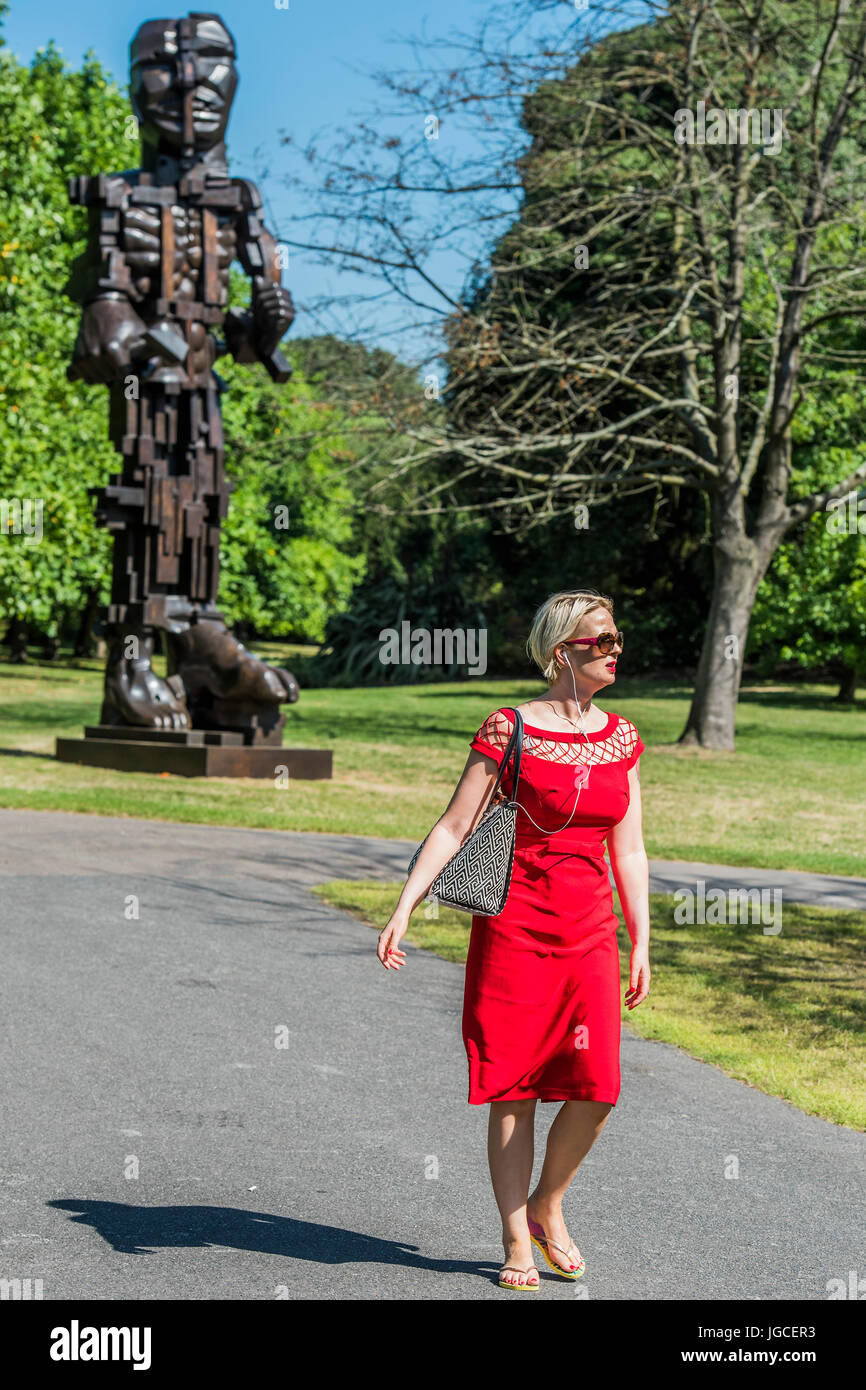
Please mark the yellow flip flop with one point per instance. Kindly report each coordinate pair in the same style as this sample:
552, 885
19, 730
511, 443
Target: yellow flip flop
517, 1270
541, 1241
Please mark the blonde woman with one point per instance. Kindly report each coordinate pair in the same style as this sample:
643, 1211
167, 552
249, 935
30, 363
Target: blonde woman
541, 1009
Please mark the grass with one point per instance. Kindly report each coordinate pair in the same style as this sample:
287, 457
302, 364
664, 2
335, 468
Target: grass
785, 1014
791, 797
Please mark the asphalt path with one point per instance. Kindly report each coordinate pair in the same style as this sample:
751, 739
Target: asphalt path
211, 1089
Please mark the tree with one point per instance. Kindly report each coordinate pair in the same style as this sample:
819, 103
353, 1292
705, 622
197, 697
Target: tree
811, 606
685, 272
431, 571
285, 555
53, 442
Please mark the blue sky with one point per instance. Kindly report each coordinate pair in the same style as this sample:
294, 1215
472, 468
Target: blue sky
303, 69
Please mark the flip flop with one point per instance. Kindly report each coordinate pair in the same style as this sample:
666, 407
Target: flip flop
517, 1270
539, 1239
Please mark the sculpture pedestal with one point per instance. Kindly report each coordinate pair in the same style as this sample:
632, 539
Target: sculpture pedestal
191, 753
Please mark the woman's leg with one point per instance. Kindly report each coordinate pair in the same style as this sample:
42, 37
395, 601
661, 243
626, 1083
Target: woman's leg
571, 1136
510, 1152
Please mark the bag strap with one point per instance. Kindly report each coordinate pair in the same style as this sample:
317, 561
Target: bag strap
514, 747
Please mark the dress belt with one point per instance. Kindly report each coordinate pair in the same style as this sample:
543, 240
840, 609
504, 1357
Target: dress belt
578, 849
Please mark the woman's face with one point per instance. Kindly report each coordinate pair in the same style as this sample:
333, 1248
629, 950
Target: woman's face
587, 661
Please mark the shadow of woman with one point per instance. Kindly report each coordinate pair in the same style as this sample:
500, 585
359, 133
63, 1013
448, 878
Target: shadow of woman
135, 1230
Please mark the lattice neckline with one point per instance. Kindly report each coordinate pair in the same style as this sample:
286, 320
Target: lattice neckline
616, 742
605, 732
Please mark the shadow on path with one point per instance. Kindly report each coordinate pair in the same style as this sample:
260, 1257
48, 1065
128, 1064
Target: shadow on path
137, 1230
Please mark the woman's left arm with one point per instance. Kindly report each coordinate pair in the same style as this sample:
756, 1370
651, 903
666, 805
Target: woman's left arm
631, 875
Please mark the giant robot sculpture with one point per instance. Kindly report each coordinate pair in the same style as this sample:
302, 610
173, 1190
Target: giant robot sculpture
153, 284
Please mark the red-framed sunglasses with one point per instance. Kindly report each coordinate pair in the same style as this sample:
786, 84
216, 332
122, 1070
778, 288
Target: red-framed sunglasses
605, 641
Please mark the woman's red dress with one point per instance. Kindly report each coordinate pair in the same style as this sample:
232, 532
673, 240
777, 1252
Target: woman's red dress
541, 1005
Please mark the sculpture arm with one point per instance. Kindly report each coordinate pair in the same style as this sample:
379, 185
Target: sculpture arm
110, 331
110, 337
254, 336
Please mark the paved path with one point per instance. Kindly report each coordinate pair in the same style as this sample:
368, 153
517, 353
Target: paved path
90, 845
156, 1142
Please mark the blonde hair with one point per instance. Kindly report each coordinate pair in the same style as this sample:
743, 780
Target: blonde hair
558, 618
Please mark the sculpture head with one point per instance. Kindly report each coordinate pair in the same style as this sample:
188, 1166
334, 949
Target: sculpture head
182, 83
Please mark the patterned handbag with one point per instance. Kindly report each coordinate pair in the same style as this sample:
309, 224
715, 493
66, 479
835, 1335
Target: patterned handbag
477, 877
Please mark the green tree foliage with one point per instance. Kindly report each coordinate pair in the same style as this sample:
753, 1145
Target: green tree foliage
811, 606
372, 399
432, 571
53, 443
287, 558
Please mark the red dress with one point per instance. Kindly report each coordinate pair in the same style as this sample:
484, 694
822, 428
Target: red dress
541, 1004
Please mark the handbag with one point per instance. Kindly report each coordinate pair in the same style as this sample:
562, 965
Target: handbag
477, 877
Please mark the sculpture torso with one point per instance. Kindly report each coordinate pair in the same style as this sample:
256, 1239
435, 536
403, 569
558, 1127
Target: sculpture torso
141, 239
169, 250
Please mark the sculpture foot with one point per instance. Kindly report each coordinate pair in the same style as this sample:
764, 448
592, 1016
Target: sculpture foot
216, 667
134, 694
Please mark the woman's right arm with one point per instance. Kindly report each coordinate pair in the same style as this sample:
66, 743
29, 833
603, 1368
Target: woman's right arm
464, 810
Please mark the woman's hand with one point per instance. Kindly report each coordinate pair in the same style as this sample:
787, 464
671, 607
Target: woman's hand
639, 977
389, 938
461, 814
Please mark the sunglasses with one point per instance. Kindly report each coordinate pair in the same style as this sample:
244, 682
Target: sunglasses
605, 641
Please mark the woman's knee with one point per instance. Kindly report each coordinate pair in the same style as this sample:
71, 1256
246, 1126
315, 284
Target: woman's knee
597, 1109
518, 1108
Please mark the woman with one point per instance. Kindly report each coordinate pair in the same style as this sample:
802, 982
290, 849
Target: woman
541, 1011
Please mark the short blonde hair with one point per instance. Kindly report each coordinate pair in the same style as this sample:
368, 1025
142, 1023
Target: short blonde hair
558, 618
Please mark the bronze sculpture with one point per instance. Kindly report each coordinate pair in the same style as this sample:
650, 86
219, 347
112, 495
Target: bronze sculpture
153, 285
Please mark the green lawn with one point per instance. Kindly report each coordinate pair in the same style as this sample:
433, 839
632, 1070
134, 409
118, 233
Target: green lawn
786, 1013
792, 796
